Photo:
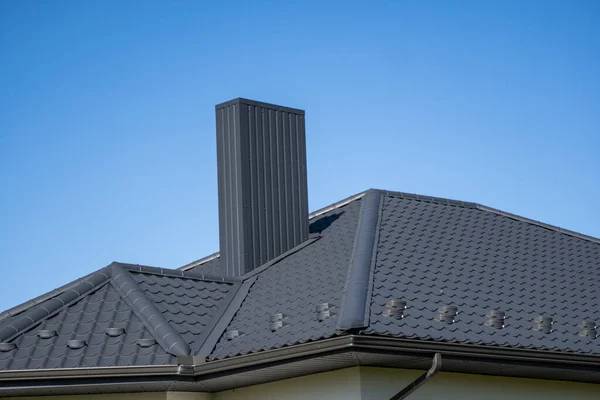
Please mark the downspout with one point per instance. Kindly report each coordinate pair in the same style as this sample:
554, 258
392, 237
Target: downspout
417, 383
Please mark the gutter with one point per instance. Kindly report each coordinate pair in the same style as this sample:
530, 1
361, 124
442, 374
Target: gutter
202, 367
474, 352
97, 372
199, 369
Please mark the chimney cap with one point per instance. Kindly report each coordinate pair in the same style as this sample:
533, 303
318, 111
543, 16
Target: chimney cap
255, 103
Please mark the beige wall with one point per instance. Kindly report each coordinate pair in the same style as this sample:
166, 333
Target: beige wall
340, 384
383, 383
128, 396
369, 383
380, 383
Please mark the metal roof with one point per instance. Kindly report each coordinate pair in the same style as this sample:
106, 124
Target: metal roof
407, 267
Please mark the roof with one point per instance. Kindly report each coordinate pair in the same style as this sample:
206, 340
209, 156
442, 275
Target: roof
122, 315
378, 264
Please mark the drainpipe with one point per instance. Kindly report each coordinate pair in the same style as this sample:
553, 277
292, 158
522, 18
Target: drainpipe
417, 383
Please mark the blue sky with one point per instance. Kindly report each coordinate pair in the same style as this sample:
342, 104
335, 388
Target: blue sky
107, 132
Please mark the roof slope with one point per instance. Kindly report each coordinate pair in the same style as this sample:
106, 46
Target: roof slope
122, 315
433, 253
86, 320
363, 252
295, 287
189, 305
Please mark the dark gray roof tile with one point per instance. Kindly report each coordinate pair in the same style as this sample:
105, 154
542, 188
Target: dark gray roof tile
189, 305
35, 352
294, 286
186, 302
431, 254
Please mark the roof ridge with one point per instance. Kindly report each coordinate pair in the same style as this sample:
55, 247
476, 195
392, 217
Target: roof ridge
492, 210
539, 223
178, 273
311, 239
431, 199
34, 315
354, 305
312, 215
147, 312
42, 298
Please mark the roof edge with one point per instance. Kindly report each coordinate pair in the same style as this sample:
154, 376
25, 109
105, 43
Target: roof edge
196, 370
538, 223
354, 305
384, 343
492, 210
95, 372
147, 312
40, 299
40, 311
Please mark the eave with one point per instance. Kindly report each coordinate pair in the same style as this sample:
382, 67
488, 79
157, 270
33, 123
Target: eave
198, 374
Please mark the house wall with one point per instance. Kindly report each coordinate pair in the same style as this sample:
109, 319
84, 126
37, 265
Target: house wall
379, 383
383, 383
339, 384
370, 383
127, 396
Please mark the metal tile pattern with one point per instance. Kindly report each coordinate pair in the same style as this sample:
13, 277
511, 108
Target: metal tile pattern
434, 253
263, 200
32, 311
294, 287
210, 267
188, 305
430, 255
87, 320
81, 325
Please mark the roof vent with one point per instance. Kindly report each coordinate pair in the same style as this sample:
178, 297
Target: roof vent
395, 308
4, 347
114, 332
543, 323
145, 342
232, 334
495, 319
446, 314
46, 333
589, 329
276, 321
324, 311
76, 344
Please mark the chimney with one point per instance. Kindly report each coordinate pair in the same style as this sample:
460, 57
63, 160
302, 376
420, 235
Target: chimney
263, 199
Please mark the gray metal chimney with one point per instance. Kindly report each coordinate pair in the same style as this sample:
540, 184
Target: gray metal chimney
263, 199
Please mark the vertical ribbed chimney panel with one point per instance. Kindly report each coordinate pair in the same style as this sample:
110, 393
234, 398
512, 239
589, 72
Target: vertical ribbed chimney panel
263, 199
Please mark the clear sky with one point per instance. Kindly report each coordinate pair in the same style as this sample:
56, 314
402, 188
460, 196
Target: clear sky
107, 131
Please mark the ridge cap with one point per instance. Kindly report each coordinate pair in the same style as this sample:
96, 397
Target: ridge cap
176, 273
38, 312
354, 307
146, 311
